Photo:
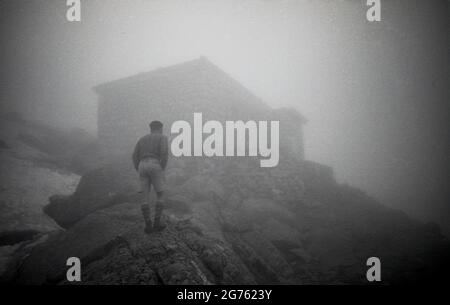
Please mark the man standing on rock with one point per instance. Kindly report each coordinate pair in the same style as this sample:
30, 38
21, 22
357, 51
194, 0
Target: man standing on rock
150, 160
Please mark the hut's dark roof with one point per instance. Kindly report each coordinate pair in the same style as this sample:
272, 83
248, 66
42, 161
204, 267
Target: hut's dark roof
190, 68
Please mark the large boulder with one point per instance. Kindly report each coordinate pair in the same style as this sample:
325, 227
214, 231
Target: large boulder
112, 184
29, 176
26, 188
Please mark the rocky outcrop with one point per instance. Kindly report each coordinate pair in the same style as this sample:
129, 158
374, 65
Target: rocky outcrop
28, 178
31, 171
230, 222
113, 248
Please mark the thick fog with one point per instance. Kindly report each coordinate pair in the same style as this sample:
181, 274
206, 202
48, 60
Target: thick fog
375, 94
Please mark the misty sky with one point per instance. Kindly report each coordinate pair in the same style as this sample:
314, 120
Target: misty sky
376, 95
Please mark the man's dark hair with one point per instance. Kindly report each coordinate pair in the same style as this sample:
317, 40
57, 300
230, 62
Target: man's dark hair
156, 125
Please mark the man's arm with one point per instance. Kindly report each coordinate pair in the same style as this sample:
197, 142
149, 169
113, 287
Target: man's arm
164, 152
136, 156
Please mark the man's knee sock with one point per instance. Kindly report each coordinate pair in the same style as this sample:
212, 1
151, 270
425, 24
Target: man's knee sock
145, 208
158, 211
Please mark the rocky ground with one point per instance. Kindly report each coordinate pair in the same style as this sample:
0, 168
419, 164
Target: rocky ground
28, 175
229, 222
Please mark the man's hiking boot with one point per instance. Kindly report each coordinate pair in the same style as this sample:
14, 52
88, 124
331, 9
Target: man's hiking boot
159, 224
145, 208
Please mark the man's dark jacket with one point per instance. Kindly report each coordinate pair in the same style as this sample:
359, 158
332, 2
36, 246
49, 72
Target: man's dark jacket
154, 145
